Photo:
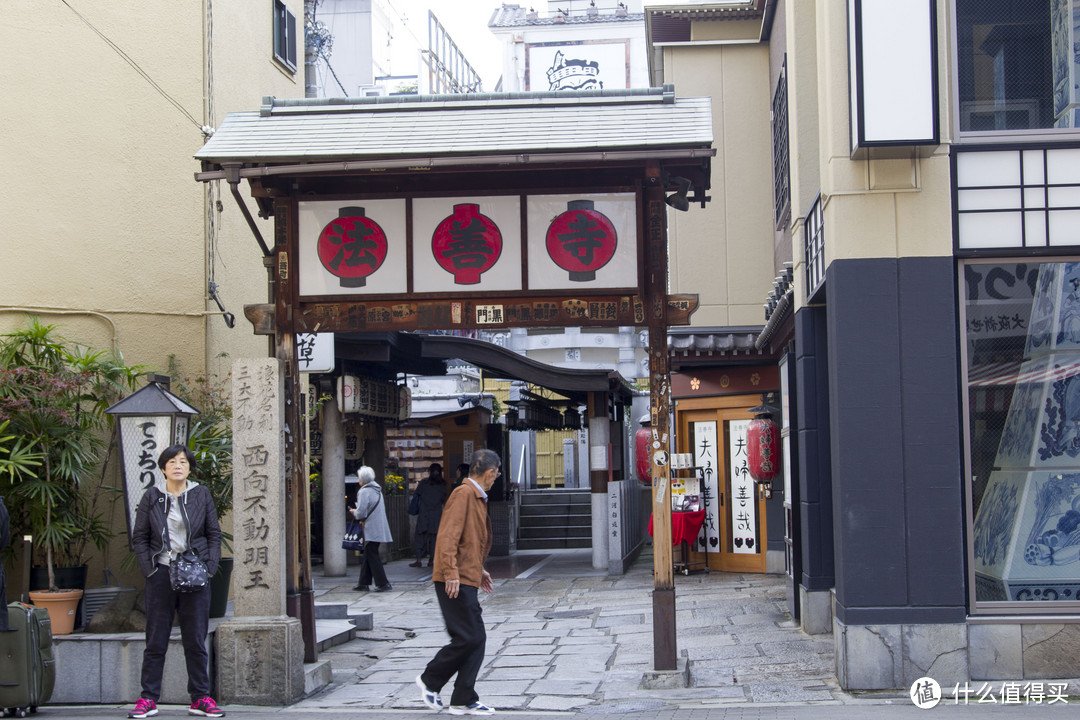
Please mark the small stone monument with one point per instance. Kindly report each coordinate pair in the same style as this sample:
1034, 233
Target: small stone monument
260, 651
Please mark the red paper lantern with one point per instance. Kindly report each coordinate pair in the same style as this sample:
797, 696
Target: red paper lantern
763, 447
642, 442
466, 244
352, 246
581, 240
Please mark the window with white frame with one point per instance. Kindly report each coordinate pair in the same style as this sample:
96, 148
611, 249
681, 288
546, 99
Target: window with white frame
284, 35
1023, 197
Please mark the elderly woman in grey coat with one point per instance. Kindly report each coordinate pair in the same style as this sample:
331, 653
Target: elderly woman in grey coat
371, 510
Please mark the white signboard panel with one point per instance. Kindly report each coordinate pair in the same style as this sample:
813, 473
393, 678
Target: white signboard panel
743, 501
602, 65
315, 353
466, 244
704, 452
579, 243
352, 247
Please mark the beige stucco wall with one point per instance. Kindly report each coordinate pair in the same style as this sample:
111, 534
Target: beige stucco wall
880, 205
105, 216
724, 252
104, 229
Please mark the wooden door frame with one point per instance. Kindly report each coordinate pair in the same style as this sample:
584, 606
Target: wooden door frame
721, 409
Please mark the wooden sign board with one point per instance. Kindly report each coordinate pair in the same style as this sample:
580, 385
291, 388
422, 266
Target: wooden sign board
481, 261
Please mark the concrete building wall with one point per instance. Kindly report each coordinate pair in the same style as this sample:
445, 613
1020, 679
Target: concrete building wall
724, 251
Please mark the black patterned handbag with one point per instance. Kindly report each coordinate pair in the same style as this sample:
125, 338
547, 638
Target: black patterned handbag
354, 536
188, 573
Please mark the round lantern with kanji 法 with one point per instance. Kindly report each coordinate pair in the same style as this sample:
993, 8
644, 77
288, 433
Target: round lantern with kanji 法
763, 448
352, 246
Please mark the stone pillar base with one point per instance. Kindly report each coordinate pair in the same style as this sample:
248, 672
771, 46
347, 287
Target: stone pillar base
815, 611
260, 661
892, 657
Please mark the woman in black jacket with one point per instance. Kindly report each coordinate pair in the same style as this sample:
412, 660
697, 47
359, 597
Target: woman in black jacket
168, 523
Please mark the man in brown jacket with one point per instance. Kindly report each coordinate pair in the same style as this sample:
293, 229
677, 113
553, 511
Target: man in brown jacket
461, 547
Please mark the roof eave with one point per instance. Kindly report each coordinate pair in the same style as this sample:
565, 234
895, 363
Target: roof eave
322, 165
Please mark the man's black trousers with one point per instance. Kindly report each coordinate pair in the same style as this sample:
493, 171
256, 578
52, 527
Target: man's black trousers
465, 653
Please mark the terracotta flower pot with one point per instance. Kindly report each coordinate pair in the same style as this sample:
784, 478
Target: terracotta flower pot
61, 606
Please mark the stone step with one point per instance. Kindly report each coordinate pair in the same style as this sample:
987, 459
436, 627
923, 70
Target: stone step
317, 675
543, 512
340, 611
582, 526
329, 633
552, 543
556, 497
555, 532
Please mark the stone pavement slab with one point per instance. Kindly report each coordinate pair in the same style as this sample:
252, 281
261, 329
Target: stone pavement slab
576, 644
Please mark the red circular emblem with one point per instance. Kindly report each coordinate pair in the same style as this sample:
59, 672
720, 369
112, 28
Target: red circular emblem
466, 244
581, 240
352, 246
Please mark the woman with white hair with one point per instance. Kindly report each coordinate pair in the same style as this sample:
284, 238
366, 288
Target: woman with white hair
371, 511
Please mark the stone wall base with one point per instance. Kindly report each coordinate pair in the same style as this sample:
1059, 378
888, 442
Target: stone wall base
107, 668
815, 611
260, 661
892, 657
1029, 651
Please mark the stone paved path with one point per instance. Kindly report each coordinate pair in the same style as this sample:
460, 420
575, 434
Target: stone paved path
562, 636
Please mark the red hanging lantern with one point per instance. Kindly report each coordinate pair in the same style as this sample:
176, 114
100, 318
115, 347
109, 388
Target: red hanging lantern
763, 445
642, 443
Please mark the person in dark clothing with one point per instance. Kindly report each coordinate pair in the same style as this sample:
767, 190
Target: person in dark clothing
462, 473
462, 546
432, 493
172, 518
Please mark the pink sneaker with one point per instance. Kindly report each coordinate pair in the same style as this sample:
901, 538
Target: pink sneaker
206, 707
144, 708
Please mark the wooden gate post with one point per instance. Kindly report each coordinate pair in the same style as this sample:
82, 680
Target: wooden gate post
665, 645
299, 589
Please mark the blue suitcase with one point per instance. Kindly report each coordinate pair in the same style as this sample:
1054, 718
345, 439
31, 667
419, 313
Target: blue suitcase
27, 669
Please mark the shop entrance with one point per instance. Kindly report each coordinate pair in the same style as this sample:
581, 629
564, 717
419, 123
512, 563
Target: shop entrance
733, 533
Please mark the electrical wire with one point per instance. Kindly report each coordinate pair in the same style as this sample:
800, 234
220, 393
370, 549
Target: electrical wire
135, 66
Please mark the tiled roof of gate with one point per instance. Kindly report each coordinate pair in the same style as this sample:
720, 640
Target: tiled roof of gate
417, 126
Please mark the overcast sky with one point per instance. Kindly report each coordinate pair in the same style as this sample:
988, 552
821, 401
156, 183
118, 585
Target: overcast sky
466, 21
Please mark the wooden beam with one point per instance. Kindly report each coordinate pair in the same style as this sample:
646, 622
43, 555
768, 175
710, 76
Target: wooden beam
369, 316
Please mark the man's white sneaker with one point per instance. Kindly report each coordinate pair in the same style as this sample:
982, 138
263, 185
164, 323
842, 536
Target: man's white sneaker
429, 697
477, 708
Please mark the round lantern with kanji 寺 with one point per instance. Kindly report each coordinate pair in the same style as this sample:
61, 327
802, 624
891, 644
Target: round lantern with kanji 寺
763, 448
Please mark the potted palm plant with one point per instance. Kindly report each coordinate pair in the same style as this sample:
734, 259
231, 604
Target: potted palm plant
53, 395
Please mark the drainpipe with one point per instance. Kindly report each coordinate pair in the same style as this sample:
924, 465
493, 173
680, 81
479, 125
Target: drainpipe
232, 176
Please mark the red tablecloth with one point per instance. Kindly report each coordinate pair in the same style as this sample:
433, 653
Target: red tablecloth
685, 526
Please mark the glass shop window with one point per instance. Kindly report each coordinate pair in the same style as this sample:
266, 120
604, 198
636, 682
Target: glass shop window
1022, 331
1015, 63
